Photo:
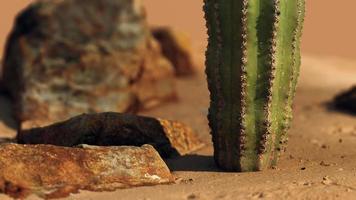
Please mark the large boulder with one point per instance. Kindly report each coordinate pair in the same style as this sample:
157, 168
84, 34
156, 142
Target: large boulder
67, 57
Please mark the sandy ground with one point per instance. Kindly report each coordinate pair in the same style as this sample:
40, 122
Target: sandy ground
320, 162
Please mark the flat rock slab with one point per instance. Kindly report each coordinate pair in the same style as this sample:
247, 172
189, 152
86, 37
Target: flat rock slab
66, 57
53, 172
113, 129
346, 101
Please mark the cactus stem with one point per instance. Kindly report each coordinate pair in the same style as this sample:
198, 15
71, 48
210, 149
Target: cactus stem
252, 64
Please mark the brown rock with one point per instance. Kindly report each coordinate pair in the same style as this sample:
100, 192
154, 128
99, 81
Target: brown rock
67, 57
327, 181
177, 48
53, 172
114, 129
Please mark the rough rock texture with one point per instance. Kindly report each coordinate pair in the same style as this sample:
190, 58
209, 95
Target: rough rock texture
346, 101
66, 57
113, 129
177, 48
53, 172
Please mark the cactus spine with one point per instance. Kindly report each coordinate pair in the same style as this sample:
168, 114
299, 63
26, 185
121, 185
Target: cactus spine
252, 67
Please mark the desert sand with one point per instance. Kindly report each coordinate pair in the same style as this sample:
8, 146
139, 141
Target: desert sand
320, 162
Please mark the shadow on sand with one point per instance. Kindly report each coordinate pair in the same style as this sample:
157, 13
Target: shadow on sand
195, 163
344, 102
332, 107
7, 140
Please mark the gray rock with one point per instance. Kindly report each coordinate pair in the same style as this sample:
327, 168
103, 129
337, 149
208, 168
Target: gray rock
66, 57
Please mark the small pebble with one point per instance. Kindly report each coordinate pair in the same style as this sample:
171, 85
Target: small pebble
258, 195
184, 181
178, 180
193, 197
326, 180
322, 163
308, 184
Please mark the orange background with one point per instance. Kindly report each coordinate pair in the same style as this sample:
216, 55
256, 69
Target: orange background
329, 29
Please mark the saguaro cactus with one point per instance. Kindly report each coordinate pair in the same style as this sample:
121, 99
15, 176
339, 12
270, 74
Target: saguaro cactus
252, 66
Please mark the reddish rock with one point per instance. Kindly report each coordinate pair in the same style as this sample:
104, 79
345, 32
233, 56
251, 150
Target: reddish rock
114, 129
67, 57
54, 172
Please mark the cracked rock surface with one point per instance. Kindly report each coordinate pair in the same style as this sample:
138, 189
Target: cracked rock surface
54, 172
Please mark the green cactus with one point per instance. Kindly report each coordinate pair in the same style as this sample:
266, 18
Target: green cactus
252, 67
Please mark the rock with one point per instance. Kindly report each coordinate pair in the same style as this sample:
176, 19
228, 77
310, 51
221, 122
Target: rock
114, 129
54, 172
325, 164
177, 48
192, 196
67, 57
326, 180
346, 101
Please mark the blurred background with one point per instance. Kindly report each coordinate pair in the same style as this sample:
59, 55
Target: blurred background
328, 28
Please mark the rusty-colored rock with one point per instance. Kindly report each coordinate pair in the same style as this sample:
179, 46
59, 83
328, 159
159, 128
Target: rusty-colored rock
67, 57
113, 129
53, 172
177, 48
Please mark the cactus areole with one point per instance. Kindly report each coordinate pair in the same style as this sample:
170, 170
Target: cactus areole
252, 67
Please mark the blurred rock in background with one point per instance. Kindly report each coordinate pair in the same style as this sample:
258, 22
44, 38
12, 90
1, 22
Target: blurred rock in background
67, 57
177, 49
346, 101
